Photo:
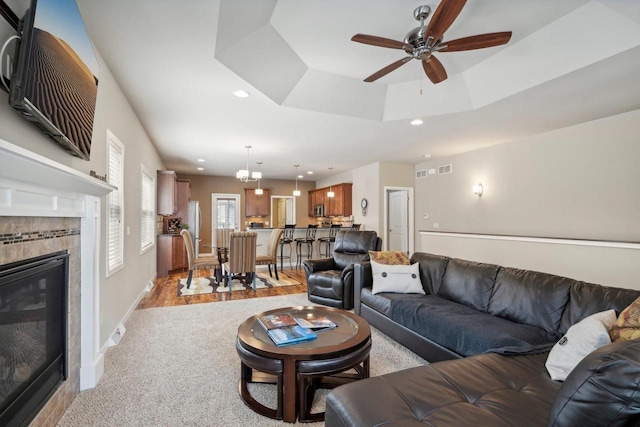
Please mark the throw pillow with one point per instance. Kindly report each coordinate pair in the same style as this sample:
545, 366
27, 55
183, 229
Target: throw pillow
401, 279
390, 257
581, 339
628, 325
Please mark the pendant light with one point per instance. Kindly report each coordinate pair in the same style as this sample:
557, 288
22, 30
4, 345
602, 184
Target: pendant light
245, 175
259, 190
296, 192
330, 193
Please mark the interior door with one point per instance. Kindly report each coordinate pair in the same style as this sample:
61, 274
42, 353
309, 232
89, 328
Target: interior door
398, 220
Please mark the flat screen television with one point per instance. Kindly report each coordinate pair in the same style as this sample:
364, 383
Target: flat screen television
55, 81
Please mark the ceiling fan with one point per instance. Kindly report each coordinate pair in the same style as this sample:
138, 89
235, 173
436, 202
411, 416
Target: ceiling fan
422, 42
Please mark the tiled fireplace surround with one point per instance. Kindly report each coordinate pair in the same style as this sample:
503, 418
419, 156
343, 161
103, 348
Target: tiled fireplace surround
27, 237
47, 207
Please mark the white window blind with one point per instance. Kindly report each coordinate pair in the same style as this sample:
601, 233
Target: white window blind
147, 214
115, 208
226, 213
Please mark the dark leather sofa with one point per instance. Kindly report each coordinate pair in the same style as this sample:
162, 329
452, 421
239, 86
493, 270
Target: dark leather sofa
489, 388
330, 280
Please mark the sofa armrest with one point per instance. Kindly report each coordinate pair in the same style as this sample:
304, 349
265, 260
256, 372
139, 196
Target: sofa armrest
363, 278
313, 265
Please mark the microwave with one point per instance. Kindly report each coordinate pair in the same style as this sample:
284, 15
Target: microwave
318, 210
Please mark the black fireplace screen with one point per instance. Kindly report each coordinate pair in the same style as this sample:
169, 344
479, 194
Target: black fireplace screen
33, 330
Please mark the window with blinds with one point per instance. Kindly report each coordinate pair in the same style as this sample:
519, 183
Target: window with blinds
147, 214
226, 210
115, 207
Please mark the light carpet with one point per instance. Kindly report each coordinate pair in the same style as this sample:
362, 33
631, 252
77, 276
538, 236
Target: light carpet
207, 285
178, 366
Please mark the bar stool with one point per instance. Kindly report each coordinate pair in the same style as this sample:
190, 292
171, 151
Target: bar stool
308, 239
355, 227
328, 240
287, 239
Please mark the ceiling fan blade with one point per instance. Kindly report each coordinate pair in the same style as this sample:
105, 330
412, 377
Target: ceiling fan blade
386, 70
380, 41
477, 42
434, 69
445, 14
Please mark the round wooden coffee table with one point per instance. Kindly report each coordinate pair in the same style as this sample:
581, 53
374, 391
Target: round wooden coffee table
299, 369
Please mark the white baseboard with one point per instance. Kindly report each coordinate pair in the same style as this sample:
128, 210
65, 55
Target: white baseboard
91, 374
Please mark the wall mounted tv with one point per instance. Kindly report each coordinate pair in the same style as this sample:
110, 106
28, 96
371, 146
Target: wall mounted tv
55, 81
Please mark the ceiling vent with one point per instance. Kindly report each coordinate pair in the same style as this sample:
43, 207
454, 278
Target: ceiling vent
444, 169
421, 173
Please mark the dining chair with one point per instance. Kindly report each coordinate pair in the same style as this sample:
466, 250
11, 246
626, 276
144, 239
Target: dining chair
286, 239
222, 248
195, 263
328, 240
272, 252
242, 258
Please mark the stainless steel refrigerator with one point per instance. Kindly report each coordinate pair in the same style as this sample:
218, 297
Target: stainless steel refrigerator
195, 222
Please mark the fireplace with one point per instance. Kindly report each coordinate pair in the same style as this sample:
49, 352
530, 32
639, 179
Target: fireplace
33, 333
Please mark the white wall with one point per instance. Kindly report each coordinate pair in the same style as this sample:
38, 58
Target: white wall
120, 292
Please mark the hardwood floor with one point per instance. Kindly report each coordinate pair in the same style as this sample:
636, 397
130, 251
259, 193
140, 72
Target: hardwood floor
164, 292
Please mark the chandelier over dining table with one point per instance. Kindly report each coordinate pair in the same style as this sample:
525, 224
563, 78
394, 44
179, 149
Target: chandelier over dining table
245, 175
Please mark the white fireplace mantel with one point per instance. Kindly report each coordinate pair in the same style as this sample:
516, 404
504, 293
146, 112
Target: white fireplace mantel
33, 185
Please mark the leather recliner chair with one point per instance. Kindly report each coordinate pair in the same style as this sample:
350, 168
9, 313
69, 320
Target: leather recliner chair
330, 280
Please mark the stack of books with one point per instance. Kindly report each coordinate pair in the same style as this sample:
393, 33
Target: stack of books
284, 329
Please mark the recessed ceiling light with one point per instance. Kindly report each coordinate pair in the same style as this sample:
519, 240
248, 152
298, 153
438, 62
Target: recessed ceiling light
427, 156
310, 173
241, 93
416, 122
201, 160
200, 169
300, 176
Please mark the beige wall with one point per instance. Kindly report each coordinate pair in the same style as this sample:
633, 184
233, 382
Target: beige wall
202, 187
368, 183
579, 182
120, 292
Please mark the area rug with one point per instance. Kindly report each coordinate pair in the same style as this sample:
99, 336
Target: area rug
263, 281
178, 366
207, 285
199, 285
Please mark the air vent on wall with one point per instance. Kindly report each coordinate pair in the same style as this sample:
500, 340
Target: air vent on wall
444, 169
421, 173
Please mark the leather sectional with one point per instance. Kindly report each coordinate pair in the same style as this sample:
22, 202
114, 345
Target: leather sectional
489, 329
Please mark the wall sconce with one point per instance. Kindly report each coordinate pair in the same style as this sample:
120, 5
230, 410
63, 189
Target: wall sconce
478, 190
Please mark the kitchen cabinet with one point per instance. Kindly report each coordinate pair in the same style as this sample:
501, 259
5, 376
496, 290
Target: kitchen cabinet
340, 203
171, 253
316, 197
167, 193
256, 205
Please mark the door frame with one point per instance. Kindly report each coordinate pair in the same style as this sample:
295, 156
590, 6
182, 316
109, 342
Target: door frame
410, 214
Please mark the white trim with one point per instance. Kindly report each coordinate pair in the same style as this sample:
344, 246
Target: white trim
599, 243
272, 224
144, 171
411, 231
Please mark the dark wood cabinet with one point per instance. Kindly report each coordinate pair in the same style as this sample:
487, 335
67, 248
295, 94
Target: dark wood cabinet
256, 205
171, 253
167, 192
338, 205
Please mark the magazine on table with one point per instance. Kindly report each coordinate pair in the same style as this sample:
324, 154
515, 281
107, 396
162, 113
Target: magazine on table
315, 322
291, 335
275, 321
